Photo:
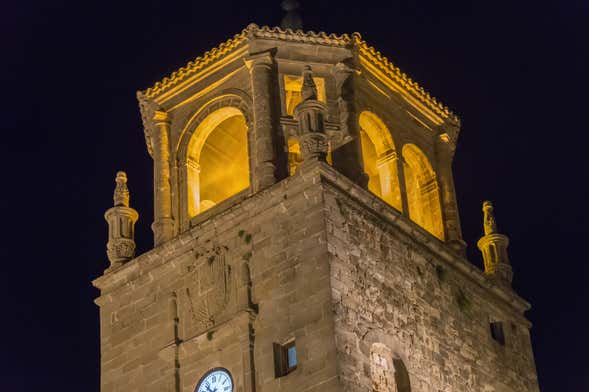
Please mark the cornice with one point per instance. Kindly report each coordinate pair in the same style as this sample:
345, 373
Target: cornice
196, 65
167, 254
253, 32
404, 81
289, 35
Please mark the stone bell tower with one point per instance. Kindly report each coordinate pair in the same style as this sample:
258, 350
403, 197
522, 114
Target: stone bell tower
306, 233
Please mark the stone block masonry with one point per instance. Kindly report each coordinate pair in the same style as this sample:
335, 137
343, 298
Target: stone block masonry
317, 259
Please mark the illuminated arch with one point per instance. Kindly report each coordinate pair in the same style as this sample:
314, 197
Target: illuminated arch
423, 195
213, 154
380, 159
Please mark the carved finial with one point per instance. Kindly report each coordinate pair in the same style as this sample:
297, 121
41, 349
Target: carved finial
489, 223
309, 89
121, 196
121, 219
493, 246
292, 19
311, 114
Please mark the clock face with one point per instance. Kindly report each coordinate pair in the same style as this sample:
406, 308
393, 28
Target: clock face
216, 380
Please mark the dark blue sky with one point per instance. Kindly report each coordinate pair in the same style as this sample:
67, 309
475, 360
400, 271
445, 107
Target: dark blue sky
514, 71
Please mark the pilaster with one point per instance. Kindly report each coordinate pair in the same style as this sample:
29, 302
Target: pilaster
262, 75
387, 166
450, 216
348, 158
163, 225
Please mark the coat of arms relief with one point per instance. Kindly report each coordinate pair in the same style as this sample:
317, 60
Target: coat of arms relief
209, 290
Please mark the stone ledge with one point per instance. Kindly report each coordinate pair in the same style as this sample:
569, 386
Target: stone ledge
314, 173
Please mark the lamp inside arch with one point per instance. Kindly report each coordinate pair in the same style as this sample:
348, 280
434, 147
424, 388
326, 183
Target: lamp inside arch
423, 195
380, 159
217, 163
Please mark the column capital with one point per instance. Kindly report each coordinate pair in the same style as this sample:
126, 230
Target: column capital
388, 157
263, 59
161, 117
447, 138
192, 164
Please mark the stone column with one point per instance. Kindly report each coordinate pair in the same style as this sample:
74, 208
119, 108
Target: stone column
163, 225
451, 218
402, 185
347, 159
389, 179
261, 67
193, 184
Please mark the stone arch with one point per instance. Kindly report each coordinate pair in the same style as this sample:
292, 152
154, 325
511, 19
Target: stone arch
380, 159
231, 98
423, 194
387, 362
388, 372
213, 154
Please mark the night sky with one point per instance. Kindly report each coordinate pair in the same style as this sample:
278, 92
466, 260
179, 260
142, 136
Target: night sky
514, 71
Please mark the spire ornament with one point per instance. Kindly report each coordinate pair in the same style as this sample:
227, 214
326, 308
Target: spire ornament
308, 89
310, 114
121, 219
121, 195
292, 20
489, 223
493, 246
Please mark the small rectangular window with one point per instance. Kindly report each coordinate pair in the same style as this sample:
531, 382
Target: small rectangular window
497, 332
285, 358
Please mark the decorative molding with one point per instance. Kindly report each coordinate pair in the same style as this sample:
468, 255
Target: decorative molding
147, 109
196, 65
210, 288
409, 85
228, 98
253, 31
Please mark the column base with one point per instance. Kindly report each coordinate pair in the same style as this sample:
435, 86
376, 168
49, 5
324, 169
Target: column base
458, 246
163, 230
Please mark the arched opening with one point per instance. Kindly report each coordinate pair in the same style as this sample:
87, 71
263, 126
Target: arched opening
401, 376
217, 163
423, 196
380, 159
388, 372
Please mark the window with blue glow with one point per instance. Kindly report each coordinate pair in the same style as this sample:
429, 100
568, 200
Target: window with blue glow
285, 358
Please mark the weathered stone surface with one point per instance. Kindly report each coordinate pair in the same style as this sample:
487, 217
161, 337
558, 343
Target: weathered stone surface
357, 256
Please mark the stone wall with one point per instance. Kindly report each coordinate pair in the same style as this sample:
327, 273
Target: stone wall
318, 259
254, 274
389, 289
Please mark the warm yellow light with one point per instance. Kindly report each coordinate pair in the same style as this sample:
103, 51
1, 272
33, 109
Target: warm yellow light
294, 155
217, 163
295, 158
292, 91
423, 195
369, 158
380, 159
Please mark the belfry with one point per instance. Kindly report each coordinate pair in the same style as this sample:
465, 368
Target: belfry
306, 235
